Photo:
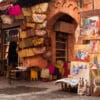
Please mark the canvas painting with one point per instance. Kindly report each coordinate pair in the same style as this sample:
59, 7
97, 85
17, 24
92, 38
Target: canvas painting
95, 58
80, 70
94, 46
90, 27
81, 52
95, 61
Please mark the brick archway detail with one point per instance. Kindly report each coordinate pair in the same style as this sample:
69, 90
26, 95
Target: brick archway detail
57, 9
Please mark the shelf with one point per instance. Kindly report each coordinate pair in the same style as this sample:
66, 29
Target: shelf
6, 44
60, 57
60, 42
60, 49
89, 38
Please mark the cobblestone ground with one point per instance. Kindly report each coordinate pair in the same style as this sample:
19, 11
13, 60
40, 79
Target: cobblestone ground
37, 90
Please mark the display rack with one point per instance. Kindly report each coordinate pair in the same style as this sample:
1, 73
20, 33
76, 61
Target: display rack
5, 44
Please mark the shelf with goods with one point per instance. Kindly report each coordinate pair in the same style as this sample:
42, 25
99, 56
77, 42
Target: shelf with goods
33, 42
9, 35
88, 53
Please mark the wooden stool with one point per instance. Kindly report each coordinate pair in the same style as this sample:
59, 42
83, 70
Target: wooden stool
33, 74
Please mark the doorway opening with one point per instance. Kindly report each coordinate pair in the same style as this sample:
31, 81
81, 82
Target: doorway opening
64, 38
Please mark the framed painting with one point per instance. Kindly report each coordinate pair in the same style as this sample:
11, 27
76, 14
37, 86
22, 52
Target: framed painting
81, 52
94, 46
90, 27
95, 61
80, 70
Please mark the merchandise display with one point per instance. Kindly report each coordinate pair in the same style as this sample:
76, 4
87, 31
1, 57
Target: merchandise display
86, 63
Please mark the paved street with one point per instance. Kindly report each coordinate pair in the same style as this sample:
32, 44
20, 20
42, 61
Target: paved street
37, 90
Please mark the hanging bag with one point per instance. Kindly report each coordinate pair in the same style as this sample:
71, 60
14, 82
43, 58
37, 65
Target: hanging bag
6, 19
14, 10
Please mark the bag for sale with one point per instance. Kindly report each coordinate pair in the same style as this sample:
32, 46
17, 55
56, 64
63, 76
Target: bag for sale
5, 7
31, 25
39, 50
26, 11
26, 53
38, 41
23, 26
15, 10
45, 73
38, 18
40, 32
26, 43
41, 25
28, 19
23, 34
40, 8
6, 19
30, 32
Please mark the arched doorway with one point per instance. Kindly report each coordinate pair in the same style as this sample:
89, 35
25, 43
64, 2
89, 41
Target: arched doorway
64, 29
63, 38
63, 19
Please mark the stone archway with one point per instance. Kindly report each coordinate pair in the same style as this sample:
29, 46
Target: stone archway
57, 9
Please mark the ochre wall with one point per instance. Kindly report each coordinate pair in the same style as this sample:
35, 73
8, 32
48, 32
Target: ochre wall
89, 6
56, 10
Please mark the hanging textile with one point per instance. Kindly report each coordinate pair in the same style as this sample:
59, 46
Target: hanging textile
12, 54
15, 10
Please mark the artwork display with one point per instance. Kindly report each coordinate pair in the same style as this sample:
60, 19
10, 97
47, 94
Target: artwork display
86, 63
90, 27
94, 46
95, 61
80, 70
81, 52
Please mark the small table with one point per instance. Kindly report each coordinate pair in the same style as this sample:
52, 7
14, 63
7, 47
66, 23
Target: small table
67, 83
16, 74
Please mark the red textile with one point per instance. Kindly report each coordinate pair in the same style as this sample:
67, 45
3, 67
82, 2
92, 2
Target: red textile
66, 70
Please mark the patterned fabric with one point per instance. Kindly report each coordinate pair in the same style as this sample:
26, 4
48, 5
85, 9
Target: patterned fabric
27, 11
39, 18
26, 52
45, 73
15, 10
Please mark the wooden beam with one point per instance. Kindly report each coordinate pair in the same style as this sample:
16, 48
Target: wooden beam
64, 27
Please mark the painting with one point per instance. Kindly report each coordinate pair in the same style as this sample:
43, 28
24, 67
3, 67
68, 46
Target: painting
95, 61
80, 69
94, 46
90, 27
81, 52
